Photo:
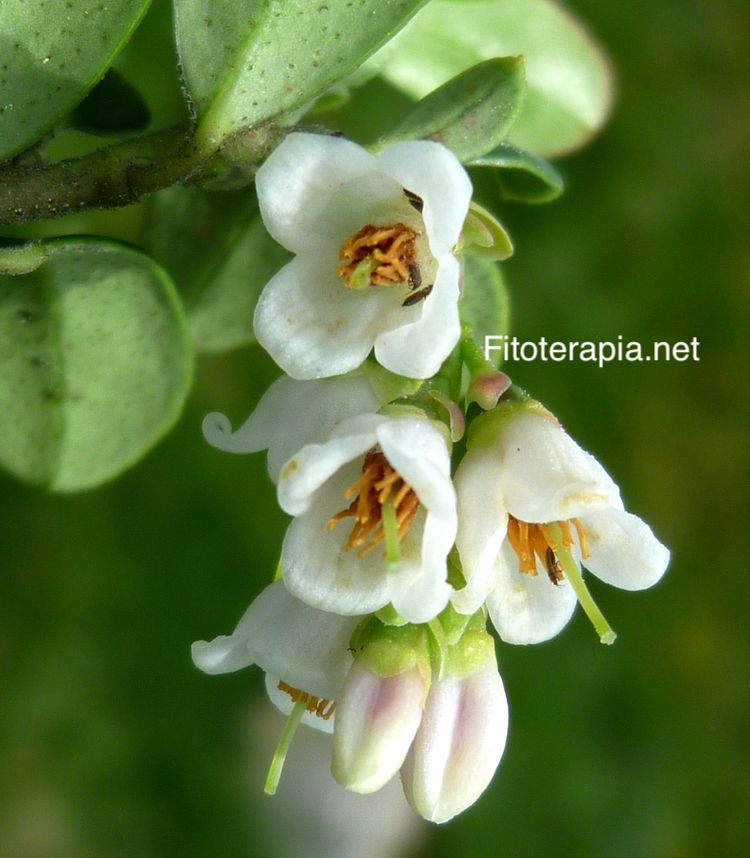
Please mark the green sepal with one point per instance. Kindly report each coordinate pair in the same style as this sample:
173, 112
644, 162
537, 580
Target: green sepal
387, 385
472, 651
453, 623
471, 113
392, 650
485, 429
484, 235
389, 616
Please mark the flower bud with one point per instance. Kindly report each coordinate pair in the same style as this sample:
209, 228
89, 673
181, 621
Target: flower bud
380, 708
462, 734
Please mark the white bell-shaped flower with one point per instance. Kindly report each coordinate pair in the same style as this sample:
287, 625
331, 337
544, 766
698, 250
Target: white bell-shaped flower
374, 237
375, 518
533, 508
303, 651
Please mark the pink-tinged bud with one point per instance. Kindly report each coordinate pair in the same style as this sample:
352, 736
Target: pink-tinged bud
376, 719
459, 744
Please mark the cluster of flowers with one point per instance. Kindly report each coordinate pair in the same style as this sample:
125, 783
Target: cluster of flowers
376, 627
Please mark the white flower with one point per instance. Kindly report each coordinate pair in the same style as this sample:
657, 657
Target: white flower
373, 238
333, 555
304, 652
291, 414
531, 502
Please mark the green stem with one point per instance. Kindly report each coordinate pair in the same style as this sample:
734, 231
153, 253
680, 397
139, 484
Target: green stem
282, 749
573, 574
123, 173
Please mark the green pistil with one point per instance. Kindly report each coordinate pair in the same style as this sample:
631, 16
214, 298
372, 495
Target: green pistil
282, 749
390, 535
359, 279
553, 532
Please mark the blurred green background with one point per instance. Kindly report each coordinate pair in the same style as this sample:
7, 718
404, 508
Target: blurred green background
113, 745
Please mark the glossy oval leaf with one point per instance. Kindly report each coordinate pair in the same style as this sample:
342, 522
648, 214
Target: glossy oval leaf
569, 90
522, 176
485, 304
51, 55
246, 61
216, 248
471, 113
95, 360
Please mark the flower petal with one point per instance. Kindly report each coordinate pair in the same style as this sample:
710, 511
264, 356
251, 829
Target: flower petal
482, 525
312, 325
417, 450
622, 550
298, 184
525, 608
547, 476
418, 348
317, 570
291, 414
419, 592
434, 173
306, 647
304, 474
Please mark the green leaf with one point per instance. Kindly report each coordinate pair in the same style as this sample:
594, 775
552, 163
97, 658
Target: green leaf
569, 89
51, 54
246, 61
521, 175
472, 112
216, 248
112, 107
485, 304
95, 360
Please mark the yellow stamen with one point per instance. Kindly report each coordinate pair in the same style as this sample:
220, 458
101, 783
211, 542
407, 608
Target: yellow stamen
529, 541
320, 706
391, 249
379, 483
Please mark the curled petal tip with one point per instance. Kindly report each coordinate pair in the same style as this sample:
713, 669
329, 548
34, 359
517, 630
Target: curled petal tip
216, 429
